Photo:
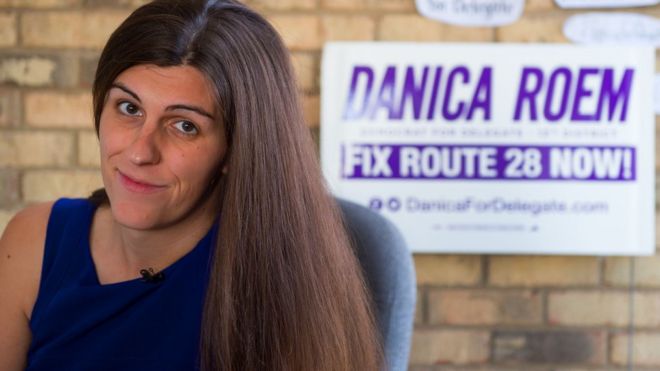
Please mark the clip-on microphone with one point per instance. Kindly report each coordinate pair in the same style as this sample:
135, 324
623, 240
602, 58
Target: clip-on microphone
148, 275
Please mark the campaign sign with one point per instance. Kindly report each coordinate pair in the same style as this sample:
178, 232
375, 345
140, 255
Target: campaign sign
656, 94
482, 148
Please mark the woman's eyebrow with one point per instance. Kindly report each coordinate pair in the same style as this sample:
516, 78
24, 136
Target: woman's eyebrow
173, 107
196, 109
128, 91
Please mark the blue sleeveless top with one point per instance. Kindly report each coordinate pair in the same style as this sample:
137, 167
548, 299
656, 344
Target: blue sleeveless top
78, 324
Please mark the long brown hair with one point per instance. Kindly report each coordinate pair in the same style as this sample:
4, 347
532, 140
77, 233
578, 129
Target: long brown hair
285, 290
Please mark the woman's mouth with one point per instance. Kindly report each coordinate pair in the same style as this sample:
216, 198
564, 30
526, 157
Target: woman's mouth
138, 186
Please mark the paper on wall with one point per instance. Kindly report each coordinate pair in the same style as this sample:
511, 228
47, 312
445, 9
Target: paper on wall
473, 13
613, 28
572, 4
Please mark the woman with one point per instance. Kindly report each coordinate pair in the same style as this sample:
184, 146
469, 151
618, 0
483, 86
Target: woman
214, 244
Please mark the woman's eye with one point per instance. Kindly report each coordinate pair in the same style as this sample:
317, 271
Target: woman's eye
186, 127
129, 108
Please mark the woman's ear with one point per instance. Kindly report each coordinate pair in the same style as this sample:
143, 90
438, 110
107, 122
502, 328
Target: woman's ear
225, 170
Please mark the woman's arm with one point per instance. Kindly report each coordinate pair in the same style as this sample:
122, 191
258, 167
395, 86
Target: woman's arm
21, 256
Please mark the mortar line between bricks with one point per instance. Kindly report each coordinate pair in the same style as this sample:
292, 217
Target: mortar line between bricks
631, 313
76, 150
425, 305
19, 27
17, 96
338, 12
622, 289
545, 312
378, 20
538, 327
485, 271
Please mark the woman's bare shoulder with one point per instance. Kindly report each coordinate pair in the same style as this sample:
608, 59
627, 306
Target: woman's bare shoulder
21, 253
21, 256
25, 230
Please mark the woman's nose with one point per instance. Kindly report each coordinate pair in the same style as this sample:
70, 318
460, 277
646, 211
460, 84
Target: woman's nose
145, 148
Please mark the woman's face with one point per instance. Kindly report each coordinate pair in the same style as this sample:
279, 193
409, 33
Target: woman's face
161, 144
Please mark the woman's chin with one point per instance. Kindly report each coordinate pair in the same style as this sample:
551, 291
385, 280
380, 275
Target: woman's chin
135, 216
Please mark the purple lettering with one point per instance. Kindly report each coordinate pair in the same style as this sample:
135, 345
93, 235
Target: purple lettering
414, 92
386, 97
481, 97
351, 112
547, 109
582, 92
378, 93
434, 93
612, 97
446, 113
526, 93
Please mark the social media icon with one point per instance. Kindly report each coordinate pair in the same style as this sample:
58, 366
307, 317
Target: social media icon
375, 204
393, 204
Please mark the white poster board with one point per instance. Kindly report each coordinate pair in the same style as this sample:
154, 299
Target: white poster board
656, 94
481, 148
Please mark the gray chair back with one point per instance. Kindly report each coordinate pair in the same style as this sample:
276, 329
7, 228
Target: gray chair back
389, 271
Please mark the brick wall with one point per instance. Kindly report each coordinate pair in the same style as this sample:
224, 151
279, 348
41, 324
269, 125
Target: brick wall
474, 312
